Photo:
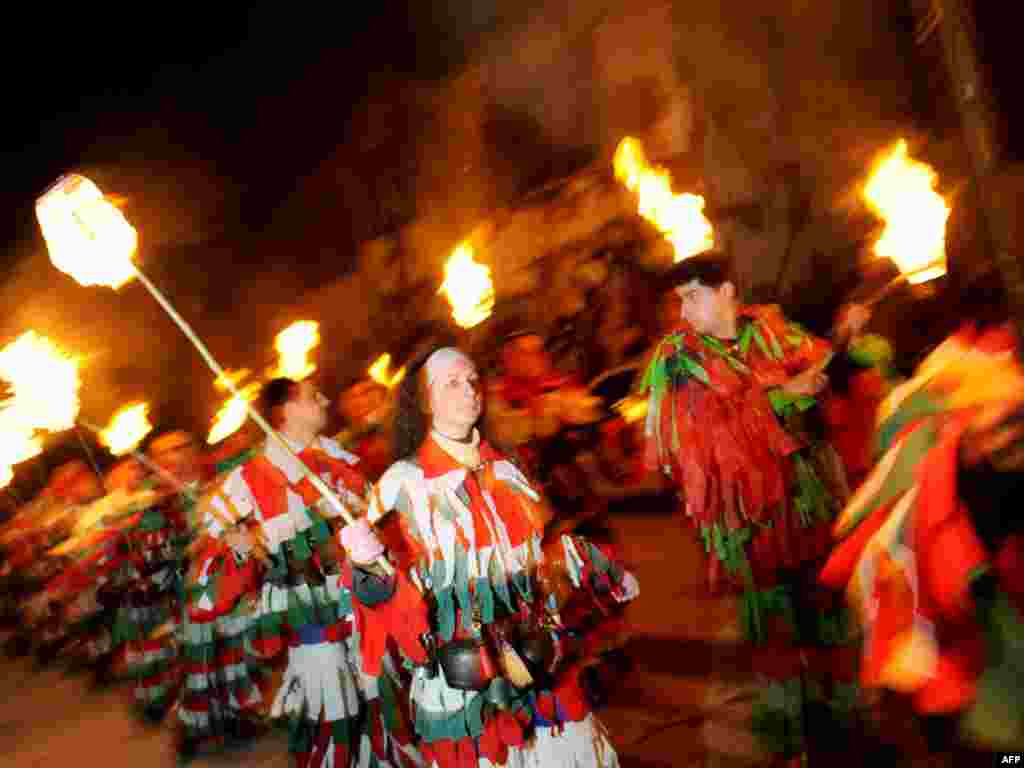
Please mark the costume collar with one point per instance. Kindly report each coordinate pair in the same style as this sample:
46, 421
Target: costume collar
435, 459
279, 457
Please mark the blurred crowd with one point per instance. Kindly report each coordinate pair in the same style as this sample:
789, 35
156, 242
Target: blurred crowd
475, 612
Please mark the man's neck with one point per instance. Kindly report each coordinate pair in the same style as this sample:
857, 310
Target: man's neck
296, 436
453, 432
728, 329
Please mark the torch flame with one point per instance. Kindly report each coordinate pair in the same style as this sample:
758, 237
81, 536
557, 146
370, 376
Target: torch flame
45, 383
468, 287
379, 372
902, 192
293, 346
127, 428
232, 414
679, 218
85, 233
17, 442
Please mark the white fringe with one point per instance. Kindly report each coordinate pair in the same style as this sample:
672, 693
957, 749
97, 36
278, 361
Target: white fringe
319, 682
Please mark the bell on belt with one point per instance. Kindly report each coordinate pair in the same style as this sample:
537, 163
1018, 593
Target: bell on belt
467, 665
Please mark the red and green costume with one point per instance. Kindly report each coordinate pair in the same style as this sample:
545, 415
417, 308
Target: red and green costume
761, 493
911, 554
464, 531
283, 598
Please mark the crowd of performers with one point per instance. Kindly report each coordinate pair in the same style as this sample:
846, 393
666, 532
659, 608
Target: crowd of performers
860, 521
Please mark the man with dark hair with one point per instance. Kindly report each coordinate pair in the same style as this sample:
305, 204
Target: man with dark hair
297, 602
729, 391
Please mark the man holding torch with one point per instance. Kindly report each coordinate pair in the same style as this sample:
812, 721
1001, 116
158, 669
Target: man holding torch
266, 510
729, 391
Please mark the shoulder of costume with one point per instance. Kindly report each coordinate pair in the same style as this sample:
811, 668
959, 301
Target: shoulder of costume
333, 449
397, 476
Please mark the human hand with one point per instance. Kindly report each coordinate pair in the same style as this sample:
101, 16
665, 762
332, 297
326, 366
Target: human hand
851, 321
360, 542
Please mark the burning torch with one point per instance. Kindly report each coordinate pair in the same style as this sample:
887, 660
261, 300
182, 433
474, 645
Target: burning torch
89, 239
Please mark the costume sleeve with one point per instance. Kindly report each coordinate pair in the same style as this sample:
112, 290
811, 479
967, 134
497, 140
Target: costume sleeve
230, 502
403, 618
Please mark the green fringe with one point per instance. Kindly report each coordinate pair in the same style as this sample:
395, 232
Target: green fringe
147, 670
902, 475
759, 605
917, 405
812, 500
152, 520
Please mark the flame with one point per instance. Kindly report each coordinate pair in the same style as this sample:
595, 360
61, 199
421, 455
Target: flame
85, 233
45, 383
293, 346
232, 414
632, 409
18, 442
680, 218
127, 428
379, 372
468, 287
902, 192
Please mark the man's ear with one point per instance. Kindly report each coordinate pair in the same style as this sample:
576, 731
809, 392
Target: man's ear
728, 290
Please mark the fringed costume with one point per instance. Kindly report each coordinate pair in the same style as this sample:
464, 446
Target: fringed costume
282, 594
931, 548
762, 494
496, 676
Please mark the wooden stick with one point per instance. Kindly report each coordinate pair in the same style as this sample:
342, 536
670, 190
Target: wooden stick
271, 433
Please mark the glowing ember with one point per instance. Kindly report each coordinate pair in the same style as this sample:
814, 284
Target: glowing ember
127, 429
293, 346
680, 218
85, 233
380, 372
902, 192
232, 414
467, 286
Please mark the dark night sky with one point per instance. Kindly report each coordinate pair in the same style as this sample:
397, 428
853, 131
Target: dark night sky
258, 96
235, 108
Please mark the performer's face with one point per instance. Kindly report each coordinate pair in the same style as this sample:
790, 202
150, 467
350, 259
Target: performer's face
708, 309
456, 400
308, 408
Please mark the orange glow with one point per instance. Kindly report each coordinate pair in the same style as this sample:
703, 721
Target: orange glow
18, 443
380, 372
127, 428
679, 218
467, 286
232, 413
293, 346
45, 384
85, 233
901, 191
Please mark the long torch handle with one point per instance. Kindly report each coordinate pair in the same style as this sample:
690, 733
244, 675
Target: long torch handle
271, 433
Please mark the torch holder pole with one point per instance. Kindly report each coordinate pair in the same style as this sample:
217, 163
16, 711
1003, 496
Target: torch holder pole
318, 483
